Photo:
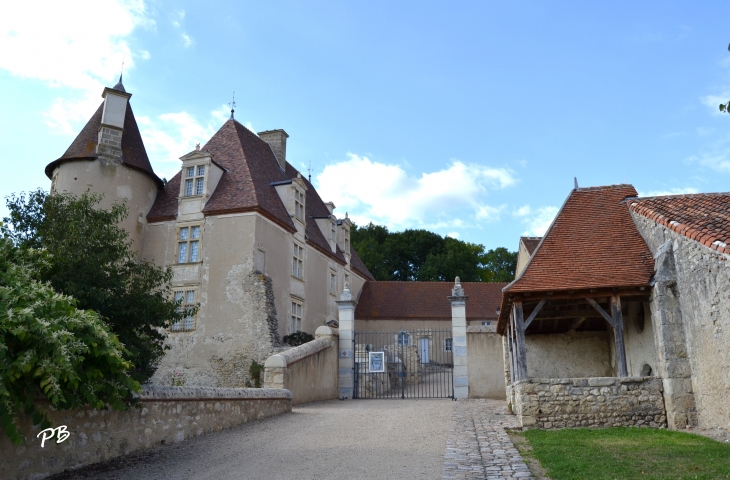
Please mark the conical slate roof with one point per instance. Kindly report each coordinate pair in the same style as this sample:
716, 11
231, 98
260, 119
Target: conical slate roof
83, 147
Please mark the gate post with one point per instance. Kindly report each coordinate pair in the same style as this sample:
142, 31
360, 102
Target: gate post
346, 371
458, 330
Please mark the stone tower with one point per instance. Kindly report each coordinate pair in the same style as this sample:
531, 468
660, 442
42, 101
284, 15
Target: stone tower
108, 157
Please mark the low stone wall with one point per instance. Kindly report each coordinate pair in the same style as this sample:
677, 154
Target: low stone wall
308, 371
166, 415
589, 402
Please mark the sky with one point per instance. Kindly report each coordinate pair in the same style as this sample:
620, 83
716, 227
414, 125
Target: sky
469, 119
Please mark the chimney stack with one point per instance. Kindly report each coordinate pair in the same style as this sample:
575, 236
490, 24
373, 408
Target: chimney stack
277, 141
109, 143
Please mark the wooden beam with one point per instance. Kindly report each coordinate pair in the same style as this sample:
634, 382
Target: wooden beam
618, 333
534, 313
521, 350
577, 323
601, 292
603, 313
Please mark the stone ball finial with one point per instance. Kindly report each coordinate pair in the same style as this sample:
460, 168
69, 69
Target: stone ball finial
458, 281
347, 286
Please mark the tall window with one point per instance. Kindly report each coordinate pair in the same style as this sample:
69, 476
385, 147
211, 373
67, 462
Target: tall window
299, 204
188, 244
194, 178
332, 235
347, 241
187, 305
297, 261
404, 338
296, 316
333, 281
447, 344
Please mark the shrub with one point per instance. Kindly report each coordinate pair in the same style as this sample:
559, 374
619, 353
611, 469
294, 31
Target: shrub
51, 348
298, 338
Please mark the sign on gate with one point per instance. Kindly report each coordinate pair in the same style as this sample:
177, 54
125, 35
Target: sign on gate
414, 363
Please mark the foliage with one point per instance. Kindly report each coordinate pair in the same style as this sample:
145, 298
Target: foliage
50, 347
420, 255
90, 259
177, 379
628, 453
255, 371
298, 338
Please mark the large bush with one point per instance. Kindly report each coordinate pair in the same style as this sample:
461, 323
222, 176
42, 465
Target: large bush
51, 348
91, 259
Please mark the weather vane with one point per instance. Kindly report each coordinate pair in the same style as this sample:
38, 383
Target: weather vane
233, 104
310, 171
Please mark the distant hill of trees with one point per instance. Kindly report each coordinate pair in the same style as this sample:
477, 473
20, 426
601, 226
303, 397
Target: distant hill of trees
420, 255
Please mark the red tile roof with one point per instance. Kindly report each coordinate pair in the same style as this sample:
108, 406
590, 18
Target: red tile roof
426, 300
592, 243
530, 243
84, 146
704, 217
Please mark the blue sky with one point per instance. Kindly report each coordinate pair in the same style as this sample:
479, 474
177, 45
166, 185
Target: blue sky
465, 118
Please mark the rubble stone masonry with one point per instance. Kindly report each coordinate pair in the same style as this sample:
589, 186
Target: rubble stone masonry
589, 402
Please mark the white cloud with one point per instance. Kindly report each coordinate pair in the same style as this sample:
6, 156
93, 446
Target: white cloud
536, 220
78, 45
718, 160
453, 234
177, 19
387, 195
671, 191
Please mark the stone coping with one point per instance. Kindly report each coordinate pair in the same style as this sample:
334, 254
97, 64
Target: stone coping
585, 381
157, 393
293, 355
481, 329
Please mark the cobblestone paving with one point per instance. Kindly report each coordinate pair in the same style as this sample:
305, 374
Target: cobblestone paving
478, 447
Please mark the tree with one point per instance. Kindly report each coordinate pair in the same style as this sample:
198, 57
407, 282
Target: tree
420, 255
48, 345
90, 259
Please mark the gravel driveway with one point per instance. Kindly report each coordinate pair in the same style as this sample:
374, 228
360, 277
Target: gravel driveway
383, 439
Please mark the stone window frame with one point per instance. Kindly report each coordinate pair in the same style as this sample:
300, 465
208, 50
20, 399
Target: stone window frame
297, 262
296, 314
196, 181
299, 203
403, 338
188, 242
347, 241
189, 323
333, 282
448, 344
333, 232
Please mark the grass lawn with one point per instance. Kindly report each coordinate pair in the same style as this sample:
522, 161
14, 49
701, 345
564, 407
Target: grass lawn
617, 453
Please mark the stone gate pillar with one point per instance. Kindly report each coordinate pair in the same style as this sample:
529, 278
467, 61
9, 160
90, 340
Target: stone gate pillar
346, 372
458, 332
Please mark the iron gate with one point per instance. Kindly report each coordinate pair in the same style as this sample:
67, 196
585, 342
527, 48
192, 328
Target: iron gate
406, 364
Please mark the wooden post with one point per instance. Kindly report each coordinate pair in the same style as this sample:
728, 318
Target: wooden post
521, 350
511, 352
618, 333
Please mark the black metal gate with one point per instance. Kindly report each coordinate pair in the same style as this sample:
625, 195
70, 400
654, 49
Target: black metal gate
407, 364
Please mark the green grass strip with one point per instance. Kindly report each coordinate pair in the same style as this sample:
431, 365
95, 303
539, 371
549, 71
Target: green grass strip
619, 453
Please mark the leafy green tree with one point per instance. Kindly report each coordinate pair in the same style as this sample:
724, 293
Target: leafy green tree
49, 346
91, 260
420, 255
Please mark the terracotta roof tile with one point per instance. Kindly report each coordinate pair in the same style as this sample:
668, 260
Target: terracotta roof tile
592, 243
426, 300
704, 217
84, 145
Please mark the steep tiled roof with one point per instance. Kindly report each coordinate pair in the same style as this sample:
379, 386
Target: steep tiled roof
84, 146
357, 264
530, 243
592, 243
704, 217
426, 300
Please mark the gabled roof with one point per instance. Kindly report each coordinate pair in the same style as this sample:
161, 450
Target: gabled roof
530, 243
592, 243
84, 146
704, 217
248, 185
425, 300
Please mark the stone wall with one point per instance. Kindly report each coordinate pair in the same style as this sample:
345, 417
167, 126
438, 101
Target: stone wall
166, 415
691, 315
308, 371
486, 365
572, 354
589, 402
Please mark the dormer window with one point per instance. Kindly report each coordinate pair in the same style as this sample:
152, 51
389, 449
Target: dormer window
299, 204
347, 241
332, 236
194, 180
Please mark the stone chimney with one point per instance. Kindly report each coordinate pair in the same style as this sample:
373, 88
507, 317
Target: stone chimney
277, 141
109, 143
